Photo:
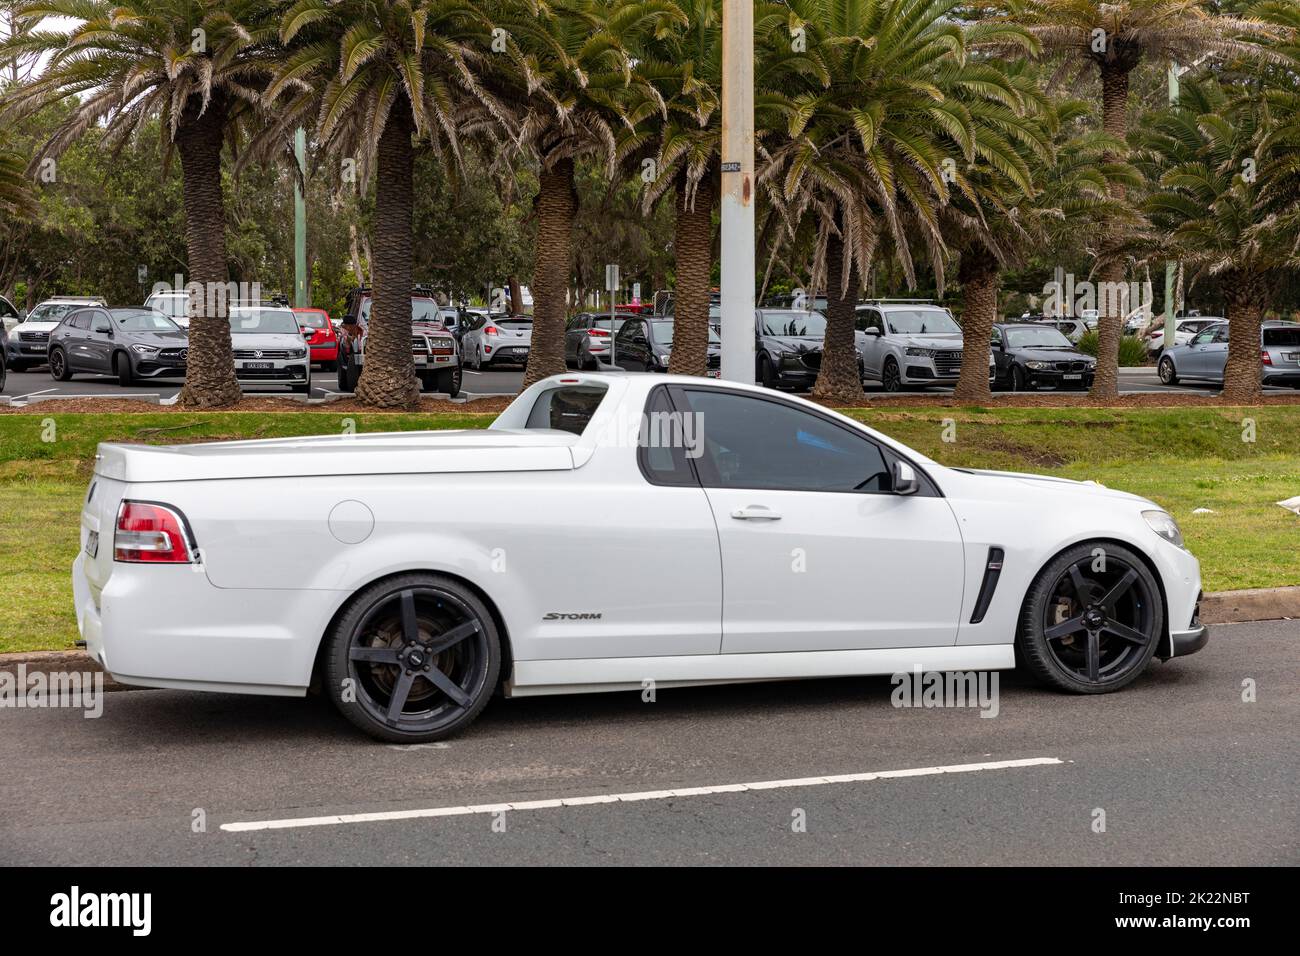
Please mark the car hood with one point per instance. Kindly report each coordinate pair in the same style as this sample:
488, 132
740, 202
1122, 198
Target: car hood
160, 339
35, 327
261, 340
1050, 484
794, 343
929, 341
388, 453
1050, 355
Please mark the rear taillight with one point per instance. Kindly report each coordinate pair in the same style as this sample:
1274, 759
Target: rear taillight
150, 534
602, 333
1265, 357
491, 330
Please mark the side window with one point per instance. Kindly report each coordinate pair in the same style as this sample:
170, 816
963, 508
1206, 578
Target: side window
1203, 338
1220, 333
81, 320
753, 442
567, 408
666, 442
630, 330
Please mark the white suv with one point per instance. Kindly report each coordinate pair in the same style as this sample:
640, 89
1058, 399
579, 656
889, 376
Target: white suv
174, 305
910, 344
268, 347
29, 341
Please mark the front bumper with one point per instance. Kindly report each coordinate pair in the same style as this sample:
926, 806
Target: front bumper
148, 368
29, 350
1055, 379
298, 371
1182, 643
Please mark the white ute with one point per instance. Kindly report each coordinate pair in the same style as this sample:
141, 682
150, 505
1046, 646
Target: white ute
593, 528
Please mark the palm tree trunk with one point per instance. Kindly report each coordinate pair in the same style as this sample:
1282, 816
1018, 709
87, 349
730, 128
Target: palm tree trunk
838, 382
556, 206
210, 366
978, 275
693, 242
388, 376
1110, 323
1244, 295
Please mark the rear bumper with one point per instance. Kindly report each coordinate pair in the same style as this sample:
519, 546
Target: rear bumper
1282, 378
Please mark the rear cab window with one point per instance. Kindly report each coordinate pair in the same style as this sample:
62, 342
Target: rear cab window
567, 408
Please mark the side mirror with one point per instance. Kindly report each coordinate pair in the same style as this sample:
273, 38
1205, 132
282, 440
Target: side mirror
104, 328
905, 482
871, 330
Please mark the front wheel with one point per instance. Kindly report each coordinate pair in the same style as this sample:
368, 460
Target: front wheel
1168, 374
1092, 619
413, 658
890, 379
449, 381
122, 369
59, 370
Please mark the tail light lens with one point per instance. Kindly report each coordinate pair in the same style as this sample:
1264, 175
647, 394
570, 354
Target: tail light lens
1266, 358
491, 330
150, 534
599, 333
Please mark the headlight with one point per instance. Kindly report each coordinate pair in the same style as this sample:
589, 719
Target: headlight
917, 350
297, 353
144, 349
1038, 365
441, 343
1163, 524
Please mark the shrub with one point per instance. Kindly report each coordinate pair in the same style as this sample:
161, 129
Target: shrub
1132, 350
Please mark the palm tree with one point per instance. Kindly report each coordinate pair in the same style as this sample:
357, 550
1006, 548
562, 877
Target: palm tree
196, 64
370, 78
995, 224
872, 153
1112, 37
16, 198
569, 82
1212, 208
685, 64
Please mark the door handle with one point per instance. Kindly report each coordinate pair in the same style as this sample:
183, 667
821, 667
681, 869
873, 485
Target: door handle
755, 513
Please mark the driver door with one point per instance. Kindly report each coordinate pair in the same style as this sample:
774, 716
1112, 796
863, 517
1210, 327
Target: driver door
818, 553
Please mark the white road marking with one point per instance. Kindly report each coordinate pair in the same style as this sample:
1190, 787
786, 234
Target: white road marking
16, 398
389, 815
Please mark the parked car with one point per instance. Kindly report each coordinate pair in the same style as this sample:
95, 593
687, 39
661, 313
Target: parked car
320, 558
501, 340
1029, 355
9, 316
910, 344
30, 339
433, 347
322, 340
4, 357
1184, 331
1071, 327
175, 305
645, 344
797, 300
1205, 356
586, 338
268, 347
131, 343
788, 348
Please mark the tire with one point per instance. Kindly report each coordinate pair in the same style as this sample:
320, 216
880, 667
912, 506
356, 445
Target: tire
1120, 598
341, 368
449, 381
302, 388
1165, 369
59, 370
17, 365
767, 376
122, 369
348, 376
890, 379
1018, 383
390, 632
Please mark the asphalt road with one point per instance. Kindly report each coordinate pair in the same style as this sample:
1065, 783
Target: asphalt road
1185, 771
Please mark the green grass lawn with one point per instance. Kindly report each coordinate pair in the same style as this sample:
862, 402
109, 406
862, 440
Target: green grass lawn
1182, 458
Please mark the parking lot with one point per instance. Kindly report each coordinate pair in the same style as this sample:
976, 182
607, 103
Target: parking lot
1185, 772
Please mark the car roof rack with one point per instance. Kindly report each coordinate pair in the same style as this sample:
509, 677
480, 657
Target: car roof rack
897, 302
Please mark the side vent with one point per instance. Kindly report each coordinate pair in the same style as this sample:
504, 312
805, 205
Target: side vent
992, 571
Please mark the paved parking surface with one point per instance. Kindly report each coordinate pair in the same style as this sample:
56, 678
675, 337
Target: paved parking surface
1184, 770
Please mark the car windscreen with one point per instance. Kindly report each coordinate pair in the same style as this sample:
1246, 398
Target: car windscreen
264, 321
921, 322
663, 332
173, 305
52, 311
803, 324
312, 320
1028, 337
142, 320
1282, 337
567, 408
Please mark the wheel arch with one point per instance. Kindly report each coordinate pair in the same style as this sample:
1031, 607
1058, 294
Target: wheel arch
507, 651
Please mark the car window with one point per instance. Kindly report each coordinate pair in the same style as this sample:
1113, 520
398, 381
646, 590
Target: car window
1203, 338
1282, 337
1220, 333
665, 444
312, 320
78, 320
566, 407
143, 320
793, 323
630, 330
1029, 336
755, 442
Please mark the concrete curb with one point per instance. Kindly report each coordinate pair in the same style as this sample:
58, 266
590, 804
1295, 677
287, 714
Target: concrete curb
1222, 607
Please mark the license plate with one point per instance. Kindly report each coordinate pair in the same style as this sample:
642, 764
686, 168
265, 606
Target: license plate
1292, 356
1072, 378
259, 366
442, 358
713, 373
92, 543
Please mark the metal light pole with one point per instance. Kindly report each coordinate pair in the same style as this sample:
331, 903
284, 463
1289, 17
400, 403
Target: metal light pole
300, 221
738, 190
1171, 268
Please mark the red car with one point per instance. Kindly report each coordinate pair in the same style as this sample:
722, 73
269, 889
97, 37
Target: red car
318, 333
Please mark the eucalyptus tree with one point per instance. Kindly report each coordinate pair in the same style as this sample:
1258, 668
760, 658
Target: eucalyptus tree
199, 66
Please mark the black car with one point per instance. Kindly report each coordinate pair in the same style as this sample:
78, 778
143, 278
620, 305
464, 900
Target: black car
1029, 355
788, 348
645, 345
131, 343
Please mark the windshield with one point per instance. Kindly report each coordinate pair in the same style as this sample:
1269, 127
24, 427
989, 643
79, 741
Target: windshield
312, 320
1025, 337
264, 321
142, 320
173, 305
921, 322
422, 310
52, 311
663, 330
810, 325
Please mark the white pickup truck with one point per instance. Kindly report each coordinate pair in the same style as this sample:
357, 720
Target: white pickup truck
606, 531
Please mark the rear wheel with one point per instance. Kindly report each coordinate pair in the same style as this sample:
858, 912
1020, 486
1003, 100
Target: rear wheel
122, 369
1092, 619
59, 370
413, 659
